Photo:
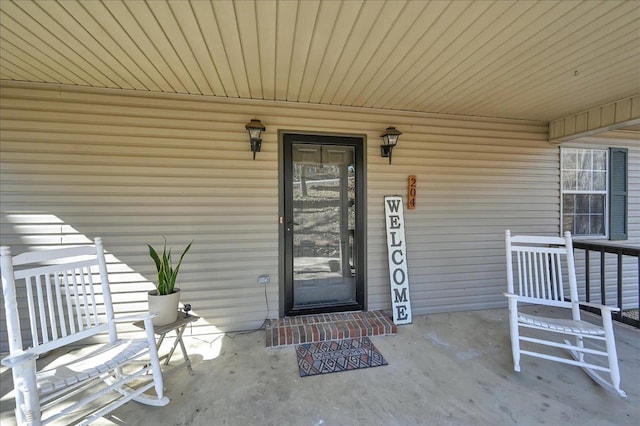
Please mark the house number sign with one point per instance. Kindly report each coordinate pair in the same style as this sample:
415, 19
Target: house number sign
411, 193
397, 253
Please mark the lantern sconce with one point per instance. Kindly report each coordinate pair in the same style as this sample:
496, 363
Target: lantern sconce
255, 128
390, 138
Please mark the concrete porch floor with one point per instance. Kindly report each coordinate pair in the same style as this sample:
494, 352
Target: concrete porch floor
444, 369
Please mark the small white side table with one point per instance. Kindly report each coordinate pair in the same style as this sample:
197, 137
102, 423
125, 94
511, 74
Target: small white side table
179, 326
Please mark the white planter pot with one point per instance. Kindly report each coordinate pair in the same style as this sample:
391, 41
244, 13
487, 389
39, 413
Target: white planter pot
165, 305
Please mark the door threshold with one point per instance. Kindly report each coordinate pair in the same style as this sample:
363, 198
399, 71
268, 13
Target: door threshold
320, 327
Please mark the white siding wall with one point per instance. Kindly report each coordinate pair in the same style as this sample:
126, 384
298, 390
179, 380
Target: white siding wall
474, 181
131, 167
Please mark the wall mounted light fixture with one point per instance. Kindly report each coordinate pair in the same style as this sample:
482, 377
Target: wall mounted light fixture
390, 138
255, 128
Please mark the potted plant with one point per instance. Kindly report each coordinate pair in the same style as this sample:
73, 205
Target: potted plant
165, 298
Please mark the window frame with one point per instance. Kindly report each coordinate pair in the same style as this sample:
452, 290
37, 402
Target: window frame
606, 191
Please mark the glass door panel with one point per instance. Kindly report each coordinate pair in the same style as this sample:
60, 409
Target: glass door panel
324, 219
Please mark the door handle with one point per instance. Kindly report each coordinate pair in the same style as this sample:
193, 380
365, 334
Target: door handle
290, 225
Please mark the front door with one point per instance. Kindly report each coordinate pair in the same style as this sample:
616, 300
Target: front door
323, 224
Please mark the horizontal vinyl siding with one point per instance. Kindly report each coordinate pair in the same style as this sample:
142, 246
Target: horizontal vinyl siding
469, 190
132, 167
92, 164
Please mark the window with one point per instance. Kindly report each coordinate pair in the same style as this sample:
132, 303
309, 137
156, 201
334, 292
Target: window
584, 191
593, 203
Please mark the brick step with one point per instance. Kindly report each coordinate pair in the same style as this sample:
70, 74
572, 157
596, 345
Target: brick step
317, 328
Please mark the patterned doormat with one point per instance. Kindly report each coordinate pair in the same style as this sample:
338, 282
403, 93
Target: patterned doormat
337, 355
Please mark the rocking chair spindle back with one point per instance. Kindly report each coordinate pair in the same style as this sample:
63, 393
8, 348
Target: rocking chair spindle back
536, 271
68, 300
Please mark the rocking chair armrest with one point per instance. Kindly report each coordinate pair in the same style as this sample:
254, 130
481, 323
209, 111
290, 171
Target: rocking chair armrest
603, 308
18, 358
512, 300
135, 318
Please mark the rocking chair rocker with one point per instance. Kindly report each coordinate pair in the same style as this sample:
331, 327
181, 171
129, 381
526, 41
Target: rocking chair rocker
66, 306
539, 280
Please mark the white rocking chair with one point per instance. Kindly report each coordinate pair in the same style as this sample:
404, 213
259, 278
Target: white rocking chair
539, 280
68, 300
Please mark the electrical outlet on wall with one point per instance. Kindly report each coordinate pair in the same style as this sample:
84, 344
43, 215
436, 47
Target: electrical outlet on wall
264, 279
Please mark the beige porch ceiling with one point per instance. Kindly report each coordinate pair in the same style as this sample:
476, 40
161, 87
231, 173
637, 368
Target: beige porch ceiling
535, 60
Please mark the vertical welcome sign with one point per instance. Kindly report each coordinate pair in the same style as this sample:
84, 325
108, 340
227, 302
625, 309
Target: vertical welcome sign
397, 252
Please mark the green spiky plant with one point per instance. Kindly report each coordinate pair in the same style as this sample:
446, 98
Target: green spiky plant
167, 274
